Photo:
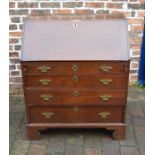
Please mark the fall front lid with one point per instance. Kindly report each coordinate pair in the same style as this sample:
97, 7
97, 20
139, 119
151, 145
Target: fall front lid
45, 40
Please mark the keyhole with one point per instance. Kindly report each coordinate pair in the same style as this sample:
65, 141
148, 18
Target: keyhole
75, 25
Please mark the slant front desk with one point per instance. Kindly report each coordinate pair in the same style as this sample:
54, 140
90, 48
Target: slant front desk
75, 74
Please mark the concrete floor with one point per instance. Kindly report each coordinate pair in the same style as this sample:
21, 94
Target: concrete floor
80, 141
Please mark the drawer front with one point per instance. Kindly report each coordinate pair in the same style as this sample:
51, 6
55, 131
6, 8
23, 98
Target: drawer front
55, 81
69, 68
49, 81
76, 114
76, 97
102, 81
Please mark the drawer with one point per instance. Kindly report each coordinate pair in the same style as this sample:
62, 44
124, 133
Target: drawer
72, 67
76, 114
57, 81
76, 97
53, 81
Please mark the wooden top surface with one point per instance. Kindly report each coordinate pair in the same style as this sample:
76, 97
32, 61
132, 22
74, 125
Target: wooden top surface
70, 39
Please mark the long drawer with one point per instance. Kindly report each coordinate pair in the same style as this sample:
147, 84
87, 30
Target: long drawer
69, 68
76, 114
80, 97
60, 81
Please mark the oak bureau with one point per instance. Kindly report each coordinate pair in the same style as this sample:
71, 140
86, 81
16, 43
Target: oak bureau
75, 73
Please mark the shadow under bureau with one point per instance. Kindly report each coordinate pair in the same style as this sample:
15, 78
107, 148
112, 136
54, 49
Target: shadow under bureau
75, 74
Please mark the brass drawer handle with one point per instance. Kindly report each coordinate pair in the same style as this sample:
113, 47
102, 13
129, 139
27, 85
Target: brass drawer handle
75, 93
105, 97
105, 81
75, 67
46, 97
47, 114
44, 81
76, 108
105, 68
75, 78
104, 114
44, 69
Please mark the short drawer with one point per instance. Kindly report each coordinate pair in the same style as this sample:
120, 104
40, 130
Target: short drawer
53, 81
75, 67
76, 114
76, 81
76, 97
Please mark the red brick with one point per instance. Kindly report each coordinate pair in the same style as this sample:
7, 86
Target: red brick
115, 5
10, 47
140, 13
125, 13
133, 71
12, 67
94, 4
136, 41
135, 21
15, 34
12, 27
27, 4
13, 54
15, 80
83, 11
62, 11
137, 28
15, 73
135, 53
136, 6
15, 19
50, 4
11, 5
102, 12
72, 4
134, 65
132, 77
135, 47
18, 12
14, 60
40, 12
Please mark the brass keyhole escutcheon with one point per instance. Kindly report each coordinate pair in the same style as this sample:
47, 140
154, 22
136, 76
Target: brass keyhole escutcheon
75, 25
47, 114
105, 97
104, 114
76, 108
46, 97
105, 81
75, 93
45, 81
75, 78
75, 68
44, 69
105, 68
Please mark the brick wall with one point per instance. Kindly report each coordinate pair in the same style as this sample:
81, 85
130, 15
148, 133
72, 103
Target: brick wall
19, 9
